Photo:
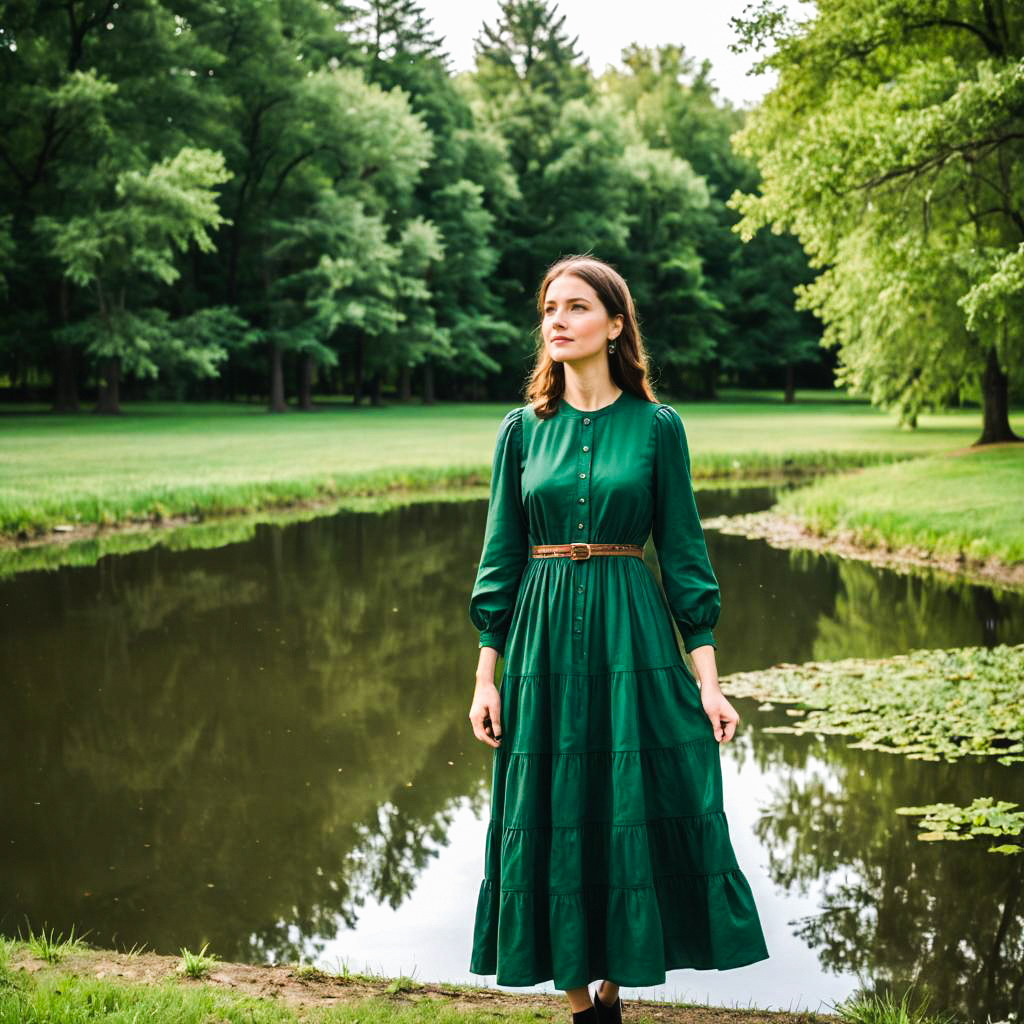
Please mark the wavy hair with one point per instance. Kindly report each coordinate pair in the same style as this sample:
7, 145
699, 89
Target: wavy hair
628, 364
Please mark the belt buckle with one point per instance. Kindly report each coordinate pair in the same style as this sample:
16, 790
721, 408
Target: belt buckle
577, 545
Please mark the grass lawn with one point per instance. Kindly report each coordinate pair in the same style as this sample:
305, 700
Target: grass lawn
163, 459
47, 983
971, 503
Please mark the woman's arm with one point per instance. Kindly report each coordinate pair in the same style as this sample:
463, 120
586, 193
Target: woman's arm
505, 547
690, 584
686, 574
502, 561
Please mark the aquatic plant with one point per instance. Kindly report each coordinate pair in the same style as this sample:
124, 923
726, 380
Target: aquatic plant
984, 816
931, 705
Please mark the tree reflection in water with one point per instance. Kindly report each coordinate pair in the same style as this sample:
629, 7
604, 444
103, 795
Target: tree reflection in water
893, 909
246, 745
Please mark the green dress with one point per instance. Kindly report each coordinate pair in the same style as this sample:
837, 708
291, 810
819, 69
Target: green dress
607, 852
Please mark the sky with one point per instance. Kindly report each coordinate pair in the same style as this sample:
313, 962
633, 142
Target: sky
604, 28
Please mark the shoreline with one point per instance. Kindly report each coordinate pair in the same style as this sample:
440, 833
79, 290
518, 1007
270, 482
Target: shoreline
64, 535
789, 532
55, 548
305, 987
85, 515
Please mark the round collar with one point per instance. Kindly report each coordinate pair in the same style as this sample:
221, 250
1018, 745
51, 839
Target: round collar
565, 409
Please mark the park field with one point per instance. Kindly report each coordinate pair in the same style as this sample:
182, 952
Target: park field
968, 503
44, 982
158, 462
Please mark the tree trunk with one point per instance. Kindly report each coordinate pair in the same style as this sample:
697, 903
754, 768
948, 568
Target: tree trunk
357, 372
375, 382
277, 403
428, 383
65, 370
996, 406
710, 373
405, 384
65, 379
306, 383
790, 383
109, 399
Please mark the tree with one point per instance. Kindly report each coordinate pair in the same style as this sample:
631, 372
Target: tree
85, 86
889, 147
747, 323
528, 52
130, 235
460, 193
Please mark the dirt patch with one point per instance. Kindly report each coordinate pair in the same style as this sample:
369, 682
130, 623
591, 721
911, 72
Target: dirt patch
782, 531
303, 987
974, 449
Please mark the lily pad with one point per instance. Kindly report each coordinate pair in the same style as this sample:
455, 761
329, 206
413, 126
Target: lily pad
928, 705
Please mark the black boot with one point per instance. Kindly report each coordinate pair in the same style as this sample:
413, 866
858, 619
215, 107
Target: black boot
587, 1016
607, 1014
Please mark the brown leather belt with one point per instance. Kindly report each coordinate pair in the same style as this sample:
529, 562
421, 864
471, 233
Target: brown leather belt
579, 551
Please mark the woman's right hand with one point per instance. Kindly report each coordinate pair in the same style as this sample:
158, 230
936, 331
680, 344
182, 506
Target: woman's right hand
485, 713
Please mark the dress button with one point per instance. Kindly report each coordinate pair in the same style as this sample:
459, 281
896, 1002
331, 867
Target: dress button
586, 447
586, 421
579, 526
582, 475
579, 590
582, 500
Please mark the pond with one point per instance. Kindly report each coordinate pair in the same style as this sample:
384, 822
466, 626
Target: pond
264, 746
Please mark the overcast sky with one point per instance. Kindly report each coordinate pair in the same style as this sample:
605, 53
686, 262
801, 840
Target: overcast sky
604, 28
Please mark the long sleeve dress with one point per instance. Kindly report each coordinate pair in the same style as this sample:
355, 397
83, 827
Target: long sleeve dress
607, 852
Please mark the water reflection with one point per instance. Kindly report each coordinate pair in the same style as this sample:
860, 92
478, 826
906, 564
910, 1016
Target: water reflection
893, 908
262, 744
225, 744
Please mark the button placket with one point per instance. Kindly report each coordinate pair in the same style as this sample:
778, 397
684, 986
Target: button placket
581, 532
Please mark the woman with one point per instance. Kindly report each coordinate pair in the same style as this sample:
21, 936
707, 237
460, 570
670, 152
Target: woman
608, 852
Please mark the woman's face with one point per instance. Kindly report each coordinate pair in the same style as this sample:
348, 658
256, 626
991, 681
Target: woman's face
576, 325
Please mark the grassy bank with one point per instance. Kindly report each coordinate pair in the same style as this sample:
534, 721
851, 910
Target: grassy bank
80, 984
965, 505
164, 461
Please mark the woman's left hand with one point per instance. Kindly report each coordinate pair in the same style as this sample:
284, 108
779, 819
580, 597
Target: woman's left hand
720, 712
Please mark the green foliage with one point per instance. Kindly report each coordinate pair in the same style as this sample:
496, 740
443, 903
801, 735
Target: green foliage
52, 946
719, 302
984, 816
195, 965
887, 148
872, 1008
528, 51
136, 234
171, 180
930, 705
6, 252
403, 983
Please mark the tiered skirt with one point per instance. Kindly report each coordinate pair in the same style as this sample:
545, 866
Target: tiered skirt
608, 852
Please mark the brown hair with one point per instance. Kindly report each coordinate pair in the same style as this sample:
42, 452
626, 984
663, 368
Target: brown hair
628, 363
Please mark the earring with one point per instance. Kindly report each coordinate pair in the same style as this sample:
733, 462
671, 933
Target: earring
611, 347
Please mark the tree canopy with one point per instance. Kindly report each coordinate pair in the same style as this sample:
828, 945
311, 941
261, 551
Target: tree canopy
222, 200
892, 147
